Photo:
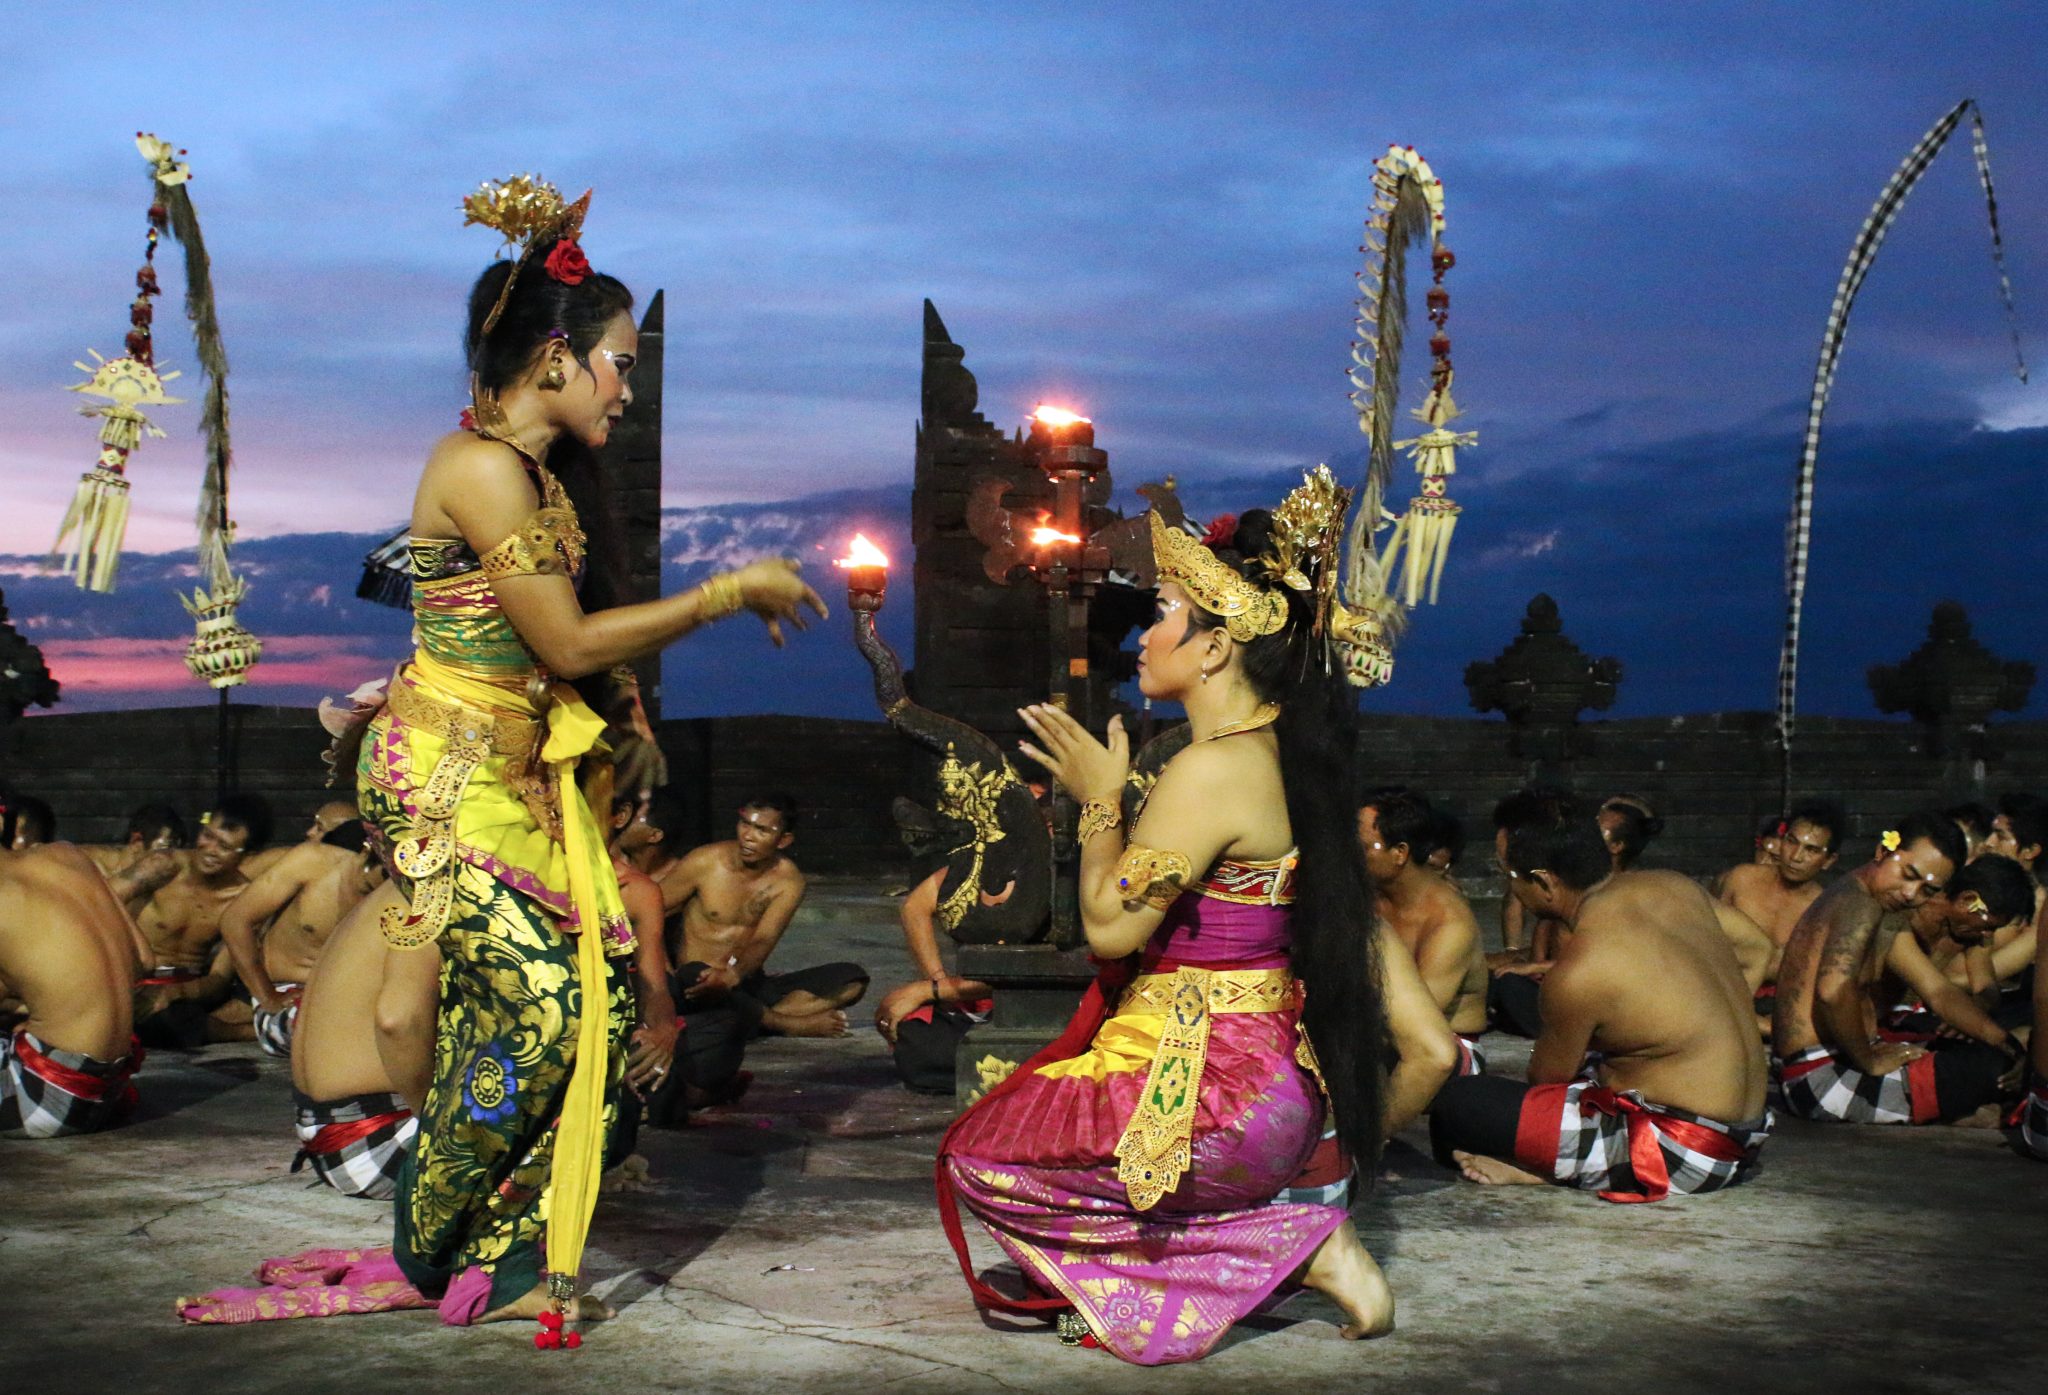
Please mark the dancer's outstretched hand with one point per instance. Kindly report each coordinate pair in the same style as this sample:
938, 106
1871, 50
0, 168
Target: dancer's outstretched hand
774, 589
1086, 768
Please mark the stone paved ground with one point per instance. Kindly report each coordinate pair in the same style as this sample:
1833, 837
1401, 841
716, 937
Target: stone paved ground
1864, 1260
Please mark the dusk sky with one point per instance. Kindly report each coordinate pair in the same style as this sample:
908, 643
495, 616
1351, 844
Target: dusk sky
1149, 212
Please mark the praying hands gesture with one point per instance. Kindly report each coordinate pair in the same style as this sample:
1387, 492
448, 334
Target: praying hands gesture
1086, 768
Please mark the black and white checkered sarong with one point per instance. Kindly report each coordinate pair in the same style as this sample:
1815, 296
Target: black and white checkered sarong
1818, 1083
356, 1145
1592, 1148
36, 1101
274, 1029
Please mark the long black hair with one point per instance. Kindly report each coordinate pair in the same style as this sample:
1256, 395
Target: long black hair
538, 306
1335, 951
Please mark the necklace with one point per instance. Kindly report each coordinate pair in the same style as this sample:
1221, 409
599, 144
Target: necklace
490, 420
1267, 714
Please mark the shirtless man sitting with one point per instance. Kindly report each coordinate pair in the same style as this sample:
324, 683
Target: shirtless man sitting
2018, 831
1532, 941
924, 1020
35, 822
650, 1063
65, 952
294, 905
353, 1124
2033, 1131
1776, 896
192, 974
1919, 995
1824, 1027
1427, 913
1648, 985
736, 899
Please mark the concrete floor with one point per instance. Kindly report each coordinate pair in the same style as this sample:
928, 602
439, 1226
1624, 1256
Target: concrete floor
1863, 1259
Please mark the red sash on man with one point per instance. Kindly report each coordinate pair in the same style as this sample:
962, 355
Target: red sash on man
117, 1087
1650, 1129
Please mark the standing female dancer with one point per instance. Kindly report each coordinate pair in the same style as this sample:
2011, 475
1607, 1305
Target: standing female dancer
480, 773
1131, 1168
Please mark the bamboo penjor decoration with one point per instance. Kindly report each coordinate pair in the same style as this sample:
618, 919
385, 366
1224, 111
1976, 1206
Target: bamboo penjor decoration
221, 652
1862, 254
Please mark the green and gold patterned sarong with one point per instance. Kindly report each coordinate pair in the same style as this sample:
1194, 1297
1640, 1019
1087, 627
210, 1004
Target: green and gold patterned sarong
469, 777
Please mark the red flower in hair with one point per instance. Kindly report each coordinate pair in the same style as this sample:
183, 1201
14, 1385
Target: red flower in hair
1222, 531
467, 421
567, 263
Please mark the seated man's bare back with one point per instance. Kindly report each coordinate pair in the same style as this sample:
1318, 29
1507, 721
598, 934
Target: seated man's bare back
1425, 910
65, 952
352, 1124
1647, 1026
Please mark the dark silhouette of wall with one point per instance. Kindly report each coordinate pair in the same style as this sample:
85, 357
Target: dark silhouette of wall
1713, 777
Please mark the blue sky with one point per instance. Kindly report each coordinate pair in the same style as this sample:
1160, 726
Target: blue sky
1149, 211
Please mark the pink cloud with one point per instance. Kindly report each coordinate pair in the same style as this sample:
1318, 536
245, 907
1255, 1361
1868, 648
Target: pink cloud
106, 667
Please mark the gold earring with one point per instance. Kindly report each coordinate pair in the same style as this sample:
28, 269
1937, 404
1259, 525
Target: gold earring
555, 379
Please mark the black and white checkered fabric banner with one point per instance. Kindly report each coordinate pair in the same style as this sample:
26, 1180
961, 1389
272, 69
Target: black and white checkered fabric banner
1799, 527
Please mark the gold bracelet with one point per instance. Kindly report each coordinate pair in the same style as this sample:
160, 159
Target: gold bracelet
721, 596
1098, 815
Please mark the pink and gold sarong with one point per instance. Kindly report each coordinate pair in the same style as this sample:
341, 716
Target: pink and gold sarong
1130, 1169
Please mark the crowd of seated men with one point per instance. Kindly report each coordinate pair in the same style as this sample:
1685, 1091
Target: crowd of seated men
1671, 1019
193, 932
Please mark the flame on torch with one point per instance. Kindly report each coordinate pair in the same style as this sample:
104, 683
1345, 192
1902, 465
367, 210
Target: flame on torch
862, 553
1046, 537
1058, 416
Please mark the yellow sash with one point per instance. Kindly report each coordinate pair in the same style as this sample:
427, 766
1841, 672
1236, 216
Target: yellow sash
1157, 1146
573, 731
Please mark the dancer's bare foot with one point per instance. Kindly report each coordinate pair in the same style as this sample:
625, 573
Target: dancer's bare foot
830, 1023
1343, 1272
1492, 1172
589, 1307
1988, 1117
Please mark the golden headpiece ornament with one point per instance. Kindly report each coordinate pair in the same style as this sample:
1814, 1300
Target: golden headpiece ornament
528, 211
1308, 529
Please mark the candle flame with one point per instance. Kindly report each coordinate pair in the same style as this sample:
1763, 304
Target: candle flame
1045, 537
862, 553
1058, 416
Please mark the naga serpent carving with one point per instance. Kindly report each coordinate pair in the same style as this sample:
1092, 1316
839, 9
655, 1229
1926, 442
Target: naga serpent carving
997, 849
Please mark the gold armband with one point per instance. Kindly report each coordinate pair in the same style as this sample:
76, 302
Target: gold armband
548, 543
1150, 877
721, 596
1097, 815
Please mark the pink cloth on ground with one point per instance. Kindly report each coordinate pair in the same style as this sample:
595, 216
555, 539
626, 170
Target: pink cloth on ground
329, 1283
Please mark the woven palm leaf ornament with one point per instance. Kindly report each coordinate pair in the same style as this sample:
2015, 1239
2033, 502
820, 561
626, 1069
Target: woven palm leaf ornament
222, 651
1862, 254
94, 526
1383, 582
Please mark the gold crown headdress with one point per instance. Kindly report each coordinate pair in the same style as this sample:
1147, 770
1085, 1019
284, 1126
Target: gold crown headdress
528, 211
1308, 528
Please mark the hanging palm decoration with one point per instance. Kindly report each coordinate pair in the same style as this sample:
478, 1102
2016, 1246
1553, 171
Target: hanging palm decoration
1381, 584
97, 521
221, 652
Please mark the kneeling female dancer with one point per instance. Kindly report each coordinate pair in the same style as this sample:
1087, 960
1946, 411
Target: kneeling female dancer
1132, 1168
479, 775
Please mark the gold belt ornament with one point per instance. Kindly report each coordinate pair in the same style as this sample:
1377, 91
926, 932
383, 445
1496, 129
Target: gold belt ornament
426, 856
1157, 1145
